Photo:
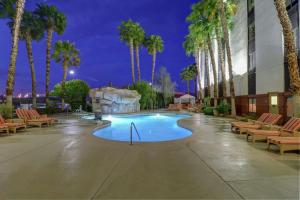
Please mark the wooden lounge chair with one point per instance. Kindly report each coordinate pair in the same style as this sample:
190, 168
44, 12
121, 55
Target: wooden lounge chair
272, 119
289, 129
35, 115
4, 128
260, 120
23, 114
12, 126
285, 143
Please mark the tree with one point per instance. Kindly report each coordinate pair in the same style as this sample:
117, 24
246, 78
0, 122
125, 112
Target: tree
192, 45
66, 53
127, 31
14, 51
7, 8
31, 28
154, 44
230, 5
189, 73
148, 96
164, 84
53, 21
75, 93
291, 52
139, 39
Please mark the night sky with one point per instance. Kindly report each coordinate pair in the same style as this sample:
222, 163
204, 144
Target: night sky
92, 26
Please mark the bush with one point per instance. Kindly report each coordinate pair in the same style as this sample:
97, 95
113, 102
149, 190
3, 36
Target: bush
208, 110
223, 108
6, 111
148, 95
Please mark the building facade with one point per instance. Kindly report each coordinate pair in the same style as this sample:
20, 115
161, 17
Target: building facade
260, 66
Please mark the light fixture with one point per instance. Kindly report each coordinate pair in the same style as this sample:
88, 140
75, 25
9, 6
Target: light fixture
71, 72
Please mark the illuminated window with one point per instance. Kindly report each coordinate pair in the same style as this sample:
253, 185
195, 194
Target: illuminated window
274, 100
252, 105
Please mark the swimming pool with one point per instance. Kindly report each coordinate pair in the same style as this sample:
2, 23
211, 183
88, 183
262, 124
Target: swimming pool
151, 127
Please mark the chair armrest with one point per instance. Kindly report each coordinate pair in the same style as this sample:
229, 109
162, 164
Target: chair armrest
44, 116
15, 120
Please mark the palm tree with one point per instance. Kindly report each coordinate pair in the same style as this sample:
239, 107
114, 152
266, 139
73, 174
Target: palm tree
53, 21
31, 28
291, 52
14, 51
127, 31
189, 73
192, 46
230, 5
206, 65
154, 44
65, 53
138, 42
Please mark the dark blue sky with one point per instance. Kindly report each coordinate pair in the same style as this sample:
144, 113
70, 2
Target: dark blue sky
92, 26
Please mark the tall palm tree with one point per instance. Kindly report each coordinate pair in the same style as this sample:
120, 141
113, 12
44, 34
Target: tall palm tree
31, 28
54, 21
67, 54
207, 77
154, 44
138, 42
127, 31
14, 51
192, 46
291, 52
229, 5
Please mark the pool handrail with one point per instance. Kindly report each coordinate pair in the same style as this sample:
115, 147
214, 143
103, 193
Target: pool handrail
133, 125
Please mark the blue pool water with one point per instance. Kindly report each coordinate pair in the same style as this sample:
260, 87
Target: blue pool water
151, 127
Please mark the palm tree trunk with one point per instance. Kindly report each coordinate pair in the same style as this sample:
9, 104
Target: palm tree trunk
32, 69
291, 52
14, 51
48, 62
132, 60
197, 57
214, 66
188, 86
228, 52
207, 72
63, 83
222, 60
153, 65
137, 54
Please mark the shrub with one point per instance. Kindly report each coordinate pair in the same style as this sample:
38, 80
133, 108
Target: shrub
6, 111
223, 108
208, 110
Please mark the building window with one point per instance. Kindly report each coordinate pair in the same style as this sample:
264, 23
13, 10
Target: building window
292, 7
251, 49
252, 105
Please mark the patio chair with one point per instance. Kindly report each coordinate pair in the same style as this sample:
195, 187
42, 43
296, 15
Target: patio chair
12, 126
4, 128
35, 115
285, 143
260, 120
24, 114
272, 119
289, 129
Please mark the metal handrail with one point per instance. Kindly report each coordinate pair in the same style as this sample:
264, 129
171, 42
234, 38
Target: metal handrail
133, 125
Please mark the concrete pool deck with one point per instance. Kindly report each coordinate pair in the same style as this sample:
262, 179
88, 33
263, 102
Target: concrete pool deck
67, 162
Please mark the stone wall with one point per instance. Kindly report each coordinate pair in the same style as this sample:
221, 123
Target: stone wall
110, 100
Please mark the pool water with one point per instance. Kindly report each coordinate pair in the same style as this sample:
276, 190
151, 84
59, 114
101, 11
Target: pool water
151, 127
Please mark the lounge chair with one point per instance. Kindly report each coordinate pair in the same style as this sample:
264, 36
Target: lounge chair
285, 143
24, 114
272, 119
289, 129
12, 126
260, 120
4, 128
35, 115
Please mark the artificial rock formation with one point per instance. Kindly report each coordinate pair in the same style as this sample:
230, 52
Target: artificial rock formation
110, 100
